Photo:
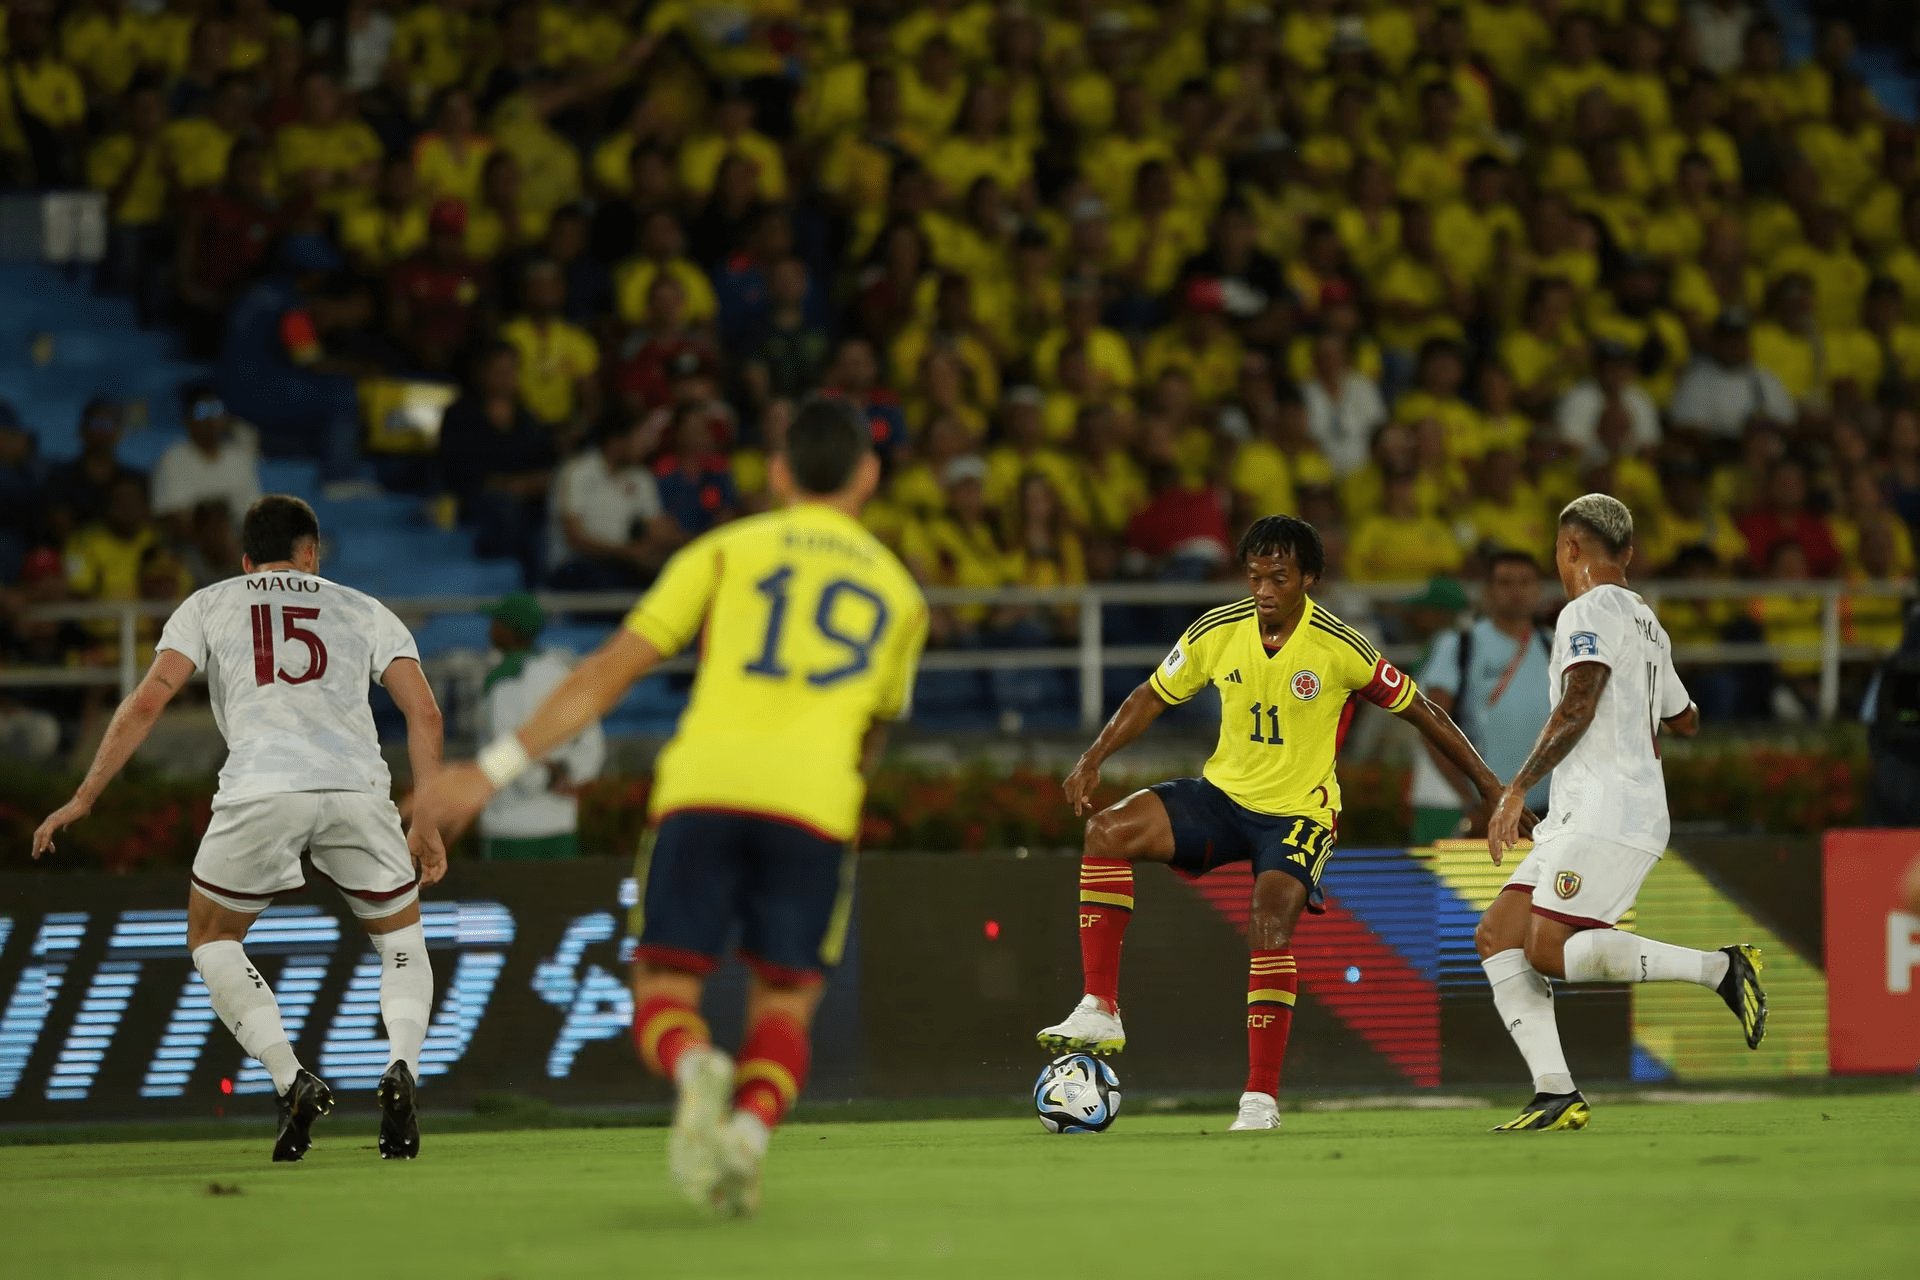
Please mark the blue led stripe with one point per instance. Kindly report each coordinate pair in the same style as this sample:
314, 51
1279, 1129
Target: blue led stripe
553, 979
603, 1010
598, 1005
144, 935
180, 1046
298, 984
466, 924
34, 993
100, 1012
462, 1005
288, 930
6, 927
352, 1055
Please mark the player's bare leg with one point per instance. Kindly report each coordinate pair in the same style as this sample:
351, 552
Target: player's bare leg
245, 1003
1137, 829
1273, 983
1579, 954
1525, 1001
673, 1041
772, 1071
406, 1005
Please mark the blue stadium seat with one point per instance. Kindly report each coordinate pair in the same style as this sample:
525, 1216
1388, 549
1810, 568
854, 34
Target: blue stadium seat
446, 632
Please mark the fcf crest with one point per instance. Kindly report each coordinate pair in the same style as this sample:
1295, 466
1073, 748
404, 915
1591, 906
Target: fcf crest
1567, 883
1306, 685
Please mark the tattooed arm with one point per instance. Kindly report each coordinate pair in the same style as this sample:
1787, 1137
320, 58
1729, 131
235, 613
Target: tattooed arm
1578, 701
131, 724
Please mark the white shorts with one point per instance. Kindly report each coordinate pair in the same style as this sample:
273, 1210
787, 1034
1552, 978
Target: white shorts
1583, 880
252, 848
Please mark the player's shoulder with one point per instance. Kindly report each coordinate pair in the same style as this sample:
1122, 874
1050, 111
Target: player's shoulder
1216, 623
1330, 632
1604, 603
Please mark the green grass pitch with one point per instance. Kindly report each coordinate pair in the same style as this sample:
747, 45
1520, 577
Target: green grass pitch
1806, 1187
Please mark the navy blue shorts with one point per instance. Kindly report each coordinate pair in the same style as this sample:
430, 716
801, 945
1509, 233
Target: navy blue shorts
710, 881
1210, 830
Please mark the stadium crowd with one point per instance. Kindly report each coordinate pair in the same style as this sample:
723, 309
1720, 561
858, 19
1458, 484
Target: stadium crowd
1108, 280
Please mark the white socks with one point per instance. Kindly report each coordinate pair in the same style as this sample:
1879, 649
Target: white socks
245, 1003
1608, 955
1525, 1002
406, 992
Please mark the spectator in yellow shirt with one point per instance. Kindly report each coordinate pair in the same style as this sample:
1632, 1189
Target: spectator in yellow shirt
983, 147
48, 98
1470, 234
1507, 513
393, 226
451, 159
960, 547
1548, 353
1400, 544
662, 249
131, 167
1200, 342
197, 147
1441, 371
558, 362
1114, 484
327, 152
733, 134
1838, 276
1693, 129
1150, 243
106, 44
103, 559
505, 221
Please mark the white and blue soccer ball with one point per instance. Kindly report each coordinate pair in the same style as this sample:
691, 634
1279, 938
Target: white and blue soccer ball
1076, 1093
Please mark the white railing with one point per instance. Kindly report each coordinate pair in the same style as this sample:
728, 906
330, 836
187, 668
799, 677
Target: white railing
1090, 656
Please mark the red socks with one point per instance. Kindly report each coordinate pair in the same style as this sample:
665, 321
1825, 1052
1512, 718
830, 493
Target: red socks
663, 1029
1272, 983
773, 1067
1106, 904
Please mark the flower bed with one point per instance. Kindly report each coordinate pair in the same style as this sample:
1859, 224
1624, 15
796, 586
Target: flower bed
151, 821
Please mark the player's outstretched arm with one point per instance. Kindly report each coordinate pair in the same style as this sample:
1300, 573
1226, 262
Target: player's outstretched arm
1446, 741
132, 721
1142, 707
1578, 701
458, 792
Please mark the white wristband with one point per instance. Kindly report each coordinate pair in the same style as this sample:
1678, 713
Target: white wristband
504, 760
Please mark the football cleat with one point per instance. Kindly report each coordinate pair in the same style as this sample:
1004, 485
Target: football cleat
306, 1100
1089, 1028
1549, 1111
1743, 993
705, 1079
399, 1126
742, 1149
1257, 1111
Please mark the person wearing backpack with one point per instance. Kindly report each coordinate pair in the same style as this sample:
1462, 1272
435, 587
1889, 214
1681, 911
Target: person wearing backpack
1491, 676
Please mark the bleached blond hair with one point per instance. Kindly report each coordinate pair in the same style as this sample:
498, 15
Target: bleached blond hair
1604, 517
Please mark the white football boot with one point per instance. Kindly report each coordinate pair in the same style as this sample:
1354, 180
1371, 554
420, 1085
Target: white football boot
742, 1150
1257, 1111
1089, 1028
705, 1095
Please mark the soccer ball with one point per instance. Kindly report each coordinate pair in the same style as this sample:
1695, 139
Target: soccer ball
1076, 1093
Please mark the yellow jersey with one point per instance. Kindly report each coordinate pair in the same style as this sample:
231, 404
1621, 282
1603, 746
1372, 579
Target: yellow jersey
809, 630
1283, 711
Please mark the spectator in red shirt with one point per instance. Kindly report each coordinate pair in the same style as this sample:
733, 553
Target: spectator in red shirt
660, 350
224, 241
1181, 534
436, 298
1786, 517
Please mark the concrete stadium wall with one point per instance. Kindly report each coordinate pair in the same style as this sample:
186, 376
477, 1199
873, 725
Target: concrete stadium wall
953, 963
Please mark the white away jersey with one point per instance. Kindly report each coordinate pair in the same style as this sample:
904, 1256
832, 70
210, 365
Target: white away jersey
288, 657
1610, 785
